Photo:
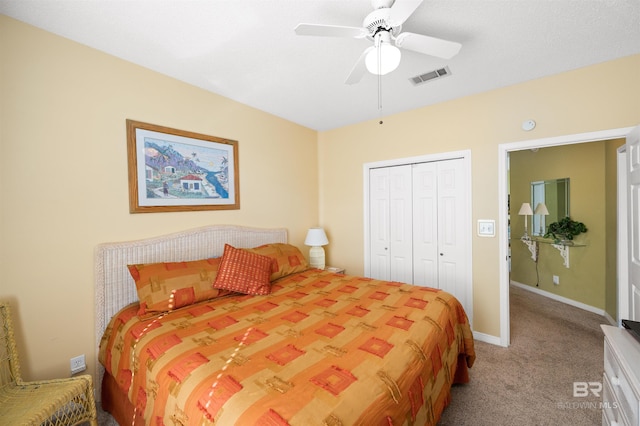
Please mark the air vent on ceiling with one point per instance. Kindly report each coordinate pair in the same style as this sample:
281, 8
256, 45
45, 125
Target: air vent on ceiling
430, 76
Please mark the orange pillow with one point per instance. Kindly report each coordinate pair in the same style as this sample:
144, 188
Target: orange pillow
286, 259
189, 282
244, 272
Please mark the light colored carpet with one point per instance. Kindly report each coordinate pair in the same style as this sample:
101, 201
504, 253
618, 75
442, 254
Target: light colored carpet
553, 345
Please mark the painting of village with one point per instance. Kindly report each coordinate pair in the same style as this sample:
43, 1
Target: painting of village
173, 170
176, 170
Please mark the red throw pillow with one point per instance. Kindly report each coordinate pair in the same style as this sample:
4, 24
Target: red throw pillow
243, 272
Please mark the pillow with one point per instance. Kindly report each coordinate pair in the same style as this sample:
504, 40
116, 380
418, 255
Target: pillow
244, 272
285, 259
189, 282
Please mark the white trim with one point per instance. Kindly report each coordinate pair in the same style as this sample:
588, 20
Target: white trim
503, 151
503, 246
487, 338
465, 155
622, 261
568, 139
418, 159
611, 320
562, 299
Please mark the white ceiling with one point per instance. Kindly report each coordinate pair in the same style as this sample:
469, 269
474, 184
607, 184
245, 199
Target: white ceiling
247, 50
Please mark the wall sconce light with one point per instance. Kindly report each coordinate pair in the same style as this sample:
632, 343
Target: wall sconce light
541, 209
316, 238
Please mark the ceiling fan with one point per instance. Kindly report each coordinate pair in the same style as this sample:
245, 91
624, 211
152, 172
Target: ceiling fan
383, 26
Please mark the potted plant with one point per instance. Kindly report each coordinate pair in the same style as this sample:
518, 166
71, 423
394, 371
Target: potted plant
564, 230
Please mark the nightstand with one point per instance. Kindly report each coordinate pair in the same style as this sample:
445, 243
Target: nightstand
334, 269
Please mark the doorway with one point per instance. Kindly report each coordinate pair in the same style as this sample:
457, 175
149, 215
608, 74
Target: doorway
503, 152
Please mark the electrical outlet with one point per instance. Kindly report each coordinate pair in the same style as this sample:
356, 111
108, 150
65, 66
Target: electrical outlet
556, 280
78, 364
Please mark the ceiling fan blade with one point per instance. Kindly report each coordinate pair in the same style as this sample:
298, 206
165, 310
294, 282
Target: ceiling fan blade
428, 45
330, 30
401, 10
359, 69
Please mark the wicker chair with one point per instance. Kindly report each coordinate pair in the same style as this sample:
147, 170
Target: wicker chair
48, 402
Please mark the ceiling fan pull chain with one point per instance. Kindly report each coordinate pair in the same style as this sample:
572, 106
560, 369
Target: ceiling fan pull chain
379, 77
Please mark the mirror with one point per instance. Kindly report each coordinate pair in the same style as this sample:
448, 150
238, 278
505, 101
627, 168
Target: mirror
555, 195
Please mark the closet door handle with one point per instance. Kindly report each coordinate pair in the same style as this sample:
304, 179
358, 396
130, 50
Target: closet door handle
441, 254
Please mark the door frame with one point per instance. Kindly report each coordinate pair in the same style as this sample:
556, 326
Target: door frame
465, 155
503, 190
622, 261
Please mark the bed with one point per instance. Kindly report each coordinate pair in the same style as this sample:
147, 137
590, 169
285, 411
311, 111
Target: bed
310, 347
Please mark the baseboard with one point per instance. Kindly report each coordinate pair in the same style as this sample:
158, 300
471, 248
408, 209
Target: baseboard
611, 320
565, 300
487, 338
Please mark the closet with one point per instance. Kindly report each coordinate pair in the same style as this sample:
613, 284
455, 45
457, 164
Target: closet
418, 225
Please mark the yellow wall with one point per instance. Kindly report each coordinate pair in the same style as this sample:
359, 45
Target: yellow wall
63, 176
599, 97
587, 168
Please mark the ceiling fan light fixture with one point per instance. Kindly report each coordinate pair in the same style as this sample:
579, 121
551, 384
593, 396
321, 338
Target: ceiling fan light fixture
383, 59
384, 27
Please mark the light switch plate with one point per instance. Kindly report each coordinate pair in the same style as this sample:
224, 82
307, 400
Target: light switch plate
486, 228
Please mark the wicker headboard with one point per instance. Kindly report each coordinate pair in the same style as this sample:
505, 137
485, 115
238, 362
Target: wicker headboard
114, 286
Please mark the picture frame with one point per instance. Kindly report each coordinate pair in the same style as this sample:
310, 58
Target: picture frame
173, 170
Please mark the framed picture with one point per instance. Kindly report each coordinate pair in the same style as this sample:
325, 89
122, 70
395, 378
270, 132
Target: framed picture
173, 170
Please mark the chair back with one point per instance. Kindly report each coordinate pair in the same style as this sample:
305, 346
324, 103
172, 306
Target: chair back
9, 365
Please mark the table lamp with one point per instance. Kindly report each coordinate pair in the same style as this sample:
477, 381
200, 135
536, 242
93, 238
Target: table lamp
316, 238
542, 210
525, 210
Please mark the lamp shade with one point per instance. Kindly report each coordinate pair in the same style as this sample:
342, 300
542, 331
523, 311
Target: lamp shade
541, 208
316, 237
525, 209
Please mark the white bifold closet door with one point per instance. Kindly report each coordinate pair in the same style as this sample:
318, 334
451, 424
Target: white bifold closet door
391, 223
416, 216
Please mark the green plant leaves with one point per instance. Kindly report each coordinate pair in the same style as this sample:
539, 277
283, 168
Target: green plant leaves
565, 229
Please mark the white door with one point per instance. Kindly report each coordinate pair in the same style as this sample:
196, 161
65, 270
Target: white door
633, 153
390, 222
379, 223
425, 224
400, 223
451, 233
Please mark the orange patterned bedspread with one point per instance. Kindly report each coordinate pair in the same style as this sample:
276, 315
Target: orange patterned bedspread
322, 348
